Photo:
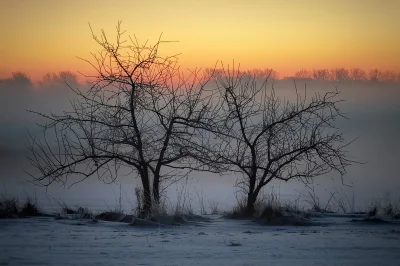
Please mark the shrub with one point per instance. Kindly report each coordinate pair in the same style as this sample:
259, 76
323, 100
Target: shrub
9, 208
29, 209
264, 203
214, 208
239, 210
373, 211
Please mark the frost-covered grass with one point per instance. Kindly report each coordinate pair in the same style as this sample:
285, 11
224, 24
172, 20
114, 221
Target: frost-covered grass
46, 241
173, 235
269, 210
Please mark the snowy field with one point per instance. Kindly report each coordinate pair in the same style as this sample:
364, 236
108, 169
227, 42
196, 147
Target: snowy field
336, 241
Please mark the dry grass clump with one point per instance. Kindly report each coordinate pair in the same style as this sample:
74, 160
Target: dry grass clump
239, 211
10, 208
384, 206
269, 210
29, 209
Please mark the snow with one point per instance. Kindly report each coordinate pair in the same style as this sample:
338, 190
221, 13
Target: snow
336, 241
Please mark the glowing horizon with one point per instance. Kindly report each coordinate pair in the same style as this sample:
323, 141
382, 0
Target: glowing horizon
47, 36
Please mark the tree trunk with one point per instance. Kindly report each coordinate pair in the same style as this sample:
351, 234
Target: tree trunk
251, 200
147, 204
251, 196
156, 189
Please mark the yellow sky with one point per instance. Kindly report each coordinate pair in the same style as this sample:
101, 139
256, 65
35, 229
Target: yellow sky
39, 36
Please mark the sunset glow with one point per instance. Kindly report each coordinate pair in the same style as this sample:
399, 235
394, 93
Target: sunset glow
47, 36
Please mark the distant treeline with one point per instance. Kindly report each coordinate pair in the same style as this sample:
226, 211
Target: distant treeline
21, 79
334, 74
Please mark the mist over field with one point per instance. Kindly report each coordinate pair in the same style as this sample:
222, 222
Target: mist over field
373, 118
161, 147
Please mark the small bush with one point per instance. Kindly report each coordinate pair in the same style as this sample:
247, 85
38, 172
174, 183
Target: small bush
373, 211
272, 212
29, 209
159, 209
264, 204
238, 211
214, 208
384, 206
9, 208
269, 210
279, 216
67, 210
388, 210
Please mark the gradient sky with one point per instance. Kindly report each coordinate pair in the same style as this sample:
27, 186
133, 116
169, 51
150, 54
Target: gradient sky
46, 36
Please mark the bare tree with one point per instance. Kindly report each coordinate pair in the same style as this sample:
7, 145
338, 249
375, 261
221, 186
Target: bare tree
51, 79
19, 79
257, 73
388, 76
138, 114
357, 74
262, 137
321, 74
375, 75
340, 74
303, 74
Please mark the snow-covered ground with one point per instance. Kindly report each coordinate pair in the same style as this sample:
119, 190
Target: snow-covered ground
337, 241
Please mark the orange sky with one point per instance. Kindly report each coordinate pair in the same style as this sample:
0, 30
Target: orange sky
46, 36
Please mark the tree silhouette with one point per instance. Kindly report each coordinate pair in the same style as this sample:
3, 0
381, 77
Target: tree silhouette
357, 74
265, 138
137, 114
